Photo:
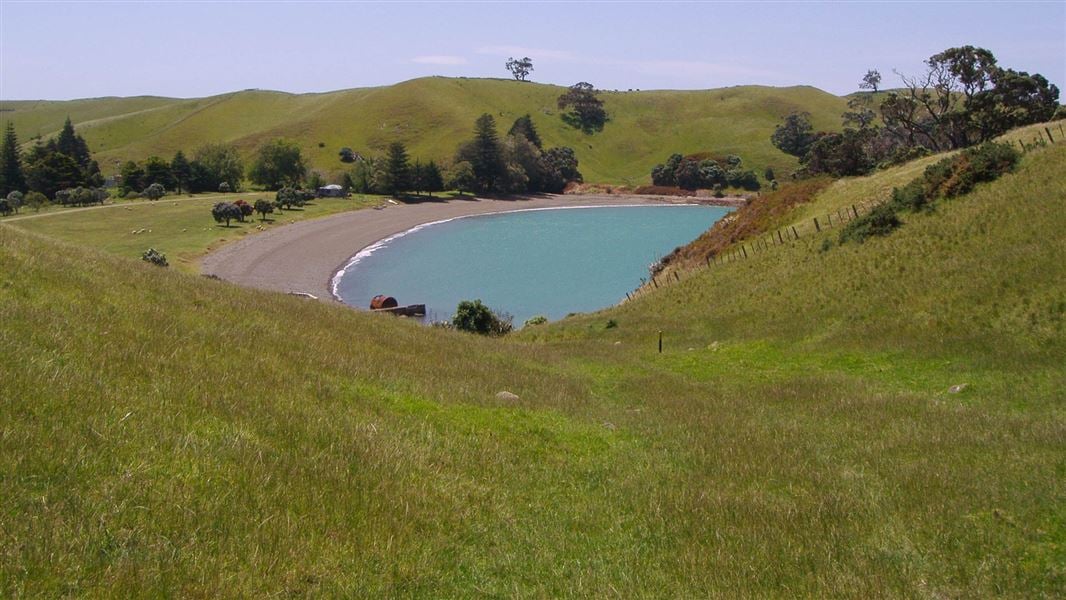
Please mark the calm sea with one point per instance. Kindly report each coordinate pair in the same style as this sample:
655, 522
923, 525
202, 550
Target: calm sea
533, 262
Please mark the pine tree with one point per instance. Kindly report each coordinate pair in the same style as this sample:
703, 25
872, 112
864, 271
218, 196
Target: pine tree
11, 176
524, 126
432, 178
73, 145
397, 169
180, 170
487, 159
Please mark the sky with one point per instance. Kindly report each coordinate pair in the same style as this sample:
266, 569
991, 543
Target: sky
194, 48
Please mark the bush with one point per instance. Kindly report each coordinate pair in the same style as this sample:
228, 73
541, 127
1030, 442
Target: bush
155, 257
263, 207
880, 221
475, 317
224, 188
245, 208
225, 211
36, 201
535, 320
5, 207
15, 200
910, 197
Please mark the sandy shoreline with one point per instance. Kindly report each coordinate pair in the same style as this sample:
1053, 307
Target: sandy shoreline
303, 257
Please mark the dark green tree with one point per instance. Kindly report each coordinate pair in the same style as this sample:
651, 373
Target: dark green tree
397, 170
73, 145
36, 201
461, 177
523, 126
51, 172
11, 175
278, 164
432, 180
132, 176
795, 135
484, 154
226, 212
157, 170
871, 80
263, 207
180, 171
520, 68
584, 108
221, 163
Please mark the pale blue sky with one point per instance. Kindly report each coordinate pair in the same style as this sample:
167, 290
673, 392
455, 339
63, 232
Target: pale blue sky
61, 50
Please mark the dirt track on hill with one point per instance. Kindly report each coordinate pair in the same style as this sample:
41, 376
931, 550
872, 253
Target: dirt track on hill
303, 257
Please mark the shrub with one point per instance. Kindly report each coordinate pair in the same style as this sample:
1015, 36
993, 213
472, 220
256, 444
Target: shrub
535, 320
155, 257
15, 200
154, 191
910, 197
880, 221
36, 200
5, 207
245, 208
224, 188
475, 317
263, 207
225, 211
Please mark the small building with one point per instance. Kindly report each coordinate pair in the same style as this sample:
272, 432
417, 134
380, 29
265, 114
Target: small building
331, 191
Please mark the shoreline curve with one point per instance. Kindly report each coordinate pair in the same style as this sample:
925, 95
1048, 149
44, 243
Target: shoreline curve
310, 256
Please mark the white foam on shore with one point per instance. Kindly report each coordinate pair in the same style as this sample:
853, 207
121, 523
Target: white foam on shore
334, 282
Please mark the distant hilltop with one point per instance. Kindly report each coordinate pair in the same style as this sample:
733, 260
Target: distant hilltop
431, 116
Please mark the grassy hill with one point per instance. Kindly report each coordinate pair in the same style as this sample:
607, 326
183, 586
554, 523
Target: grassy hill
163, 433
432, 115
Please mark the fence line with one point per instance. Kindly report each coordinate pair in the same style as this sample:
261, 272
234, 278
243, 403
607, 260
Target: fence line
843, 216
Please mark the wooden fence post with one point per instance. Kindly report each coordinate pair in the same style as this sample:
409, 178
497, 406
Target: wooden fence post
655, 282
795, 233
779, 238
817, 227
676, 276
660, 342
1048, 130
854, 211
743, 250
830, 217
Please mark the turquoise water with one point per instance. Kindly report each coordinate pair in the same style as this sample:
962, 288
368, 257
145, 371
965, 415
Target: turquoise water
533, 262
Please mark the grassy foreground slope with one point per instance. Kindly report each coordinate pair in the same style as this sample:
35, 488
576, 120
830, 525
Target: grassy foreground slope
432, 115
161, 432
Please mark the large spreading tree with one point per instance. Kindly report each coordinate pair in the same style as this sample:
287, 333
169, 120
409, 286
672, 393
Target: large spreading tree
584, 109
278, 164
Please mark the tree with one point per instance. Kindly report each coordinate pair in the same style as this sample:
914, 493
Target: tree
51, 172
524, 127
397, 170
432, 181
36, 201
180, 170
219, 163
484, 154
461, 177
795, 135
263, 207
286, 198
520, 68
347, 155
278, 164
154, 191
561, 163
965, 98
5, 207
584, 109
871, 80
73, 145
157, 170
132, 176
11, 174
245, 208
15, 200
225, 211
768, 174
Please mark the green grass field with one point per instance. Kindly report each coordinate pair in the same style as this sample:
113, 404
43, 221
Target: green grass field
179, 227
431, 115
163, 434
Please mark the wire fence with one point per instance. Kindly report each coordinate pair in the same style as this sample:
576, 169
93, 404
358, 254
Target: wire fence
789, 234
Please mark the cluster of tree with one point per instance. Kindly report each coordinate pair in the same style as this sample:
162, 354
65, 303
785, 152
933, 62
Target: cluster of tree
699, 171
584, 109
395, 174
214, 167
61, 163
278, 164
287, 198
963, 98
518, 163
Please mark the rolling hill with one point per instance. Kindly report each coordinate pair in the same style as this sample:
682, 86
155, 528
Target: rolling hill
165, 434
431, 116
